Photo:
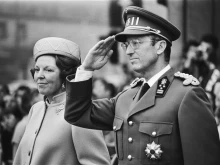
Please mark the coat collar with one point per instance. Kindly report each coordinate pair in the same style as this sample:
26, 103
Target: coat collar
56, 99
149, 97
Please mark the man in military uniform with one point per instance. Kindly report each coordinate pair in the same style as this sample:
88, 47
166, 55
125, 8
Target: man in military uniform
158, 120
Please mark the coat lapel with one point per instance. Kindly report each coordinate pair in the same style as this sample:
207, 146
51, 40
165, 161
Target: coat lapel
149, 97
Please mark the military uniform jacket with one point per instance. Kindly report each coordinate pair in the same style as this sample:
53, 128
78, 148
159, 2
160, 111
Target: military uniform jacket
176, 118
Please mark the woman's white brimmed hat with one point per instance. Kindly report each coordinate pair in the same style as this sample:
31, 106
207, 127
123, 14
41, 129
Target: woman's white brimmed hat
56, 46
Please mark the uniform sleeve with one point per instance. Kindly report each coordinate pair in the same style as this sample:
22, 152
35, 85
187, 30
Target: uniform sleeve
81, 111
90, 146
198, 130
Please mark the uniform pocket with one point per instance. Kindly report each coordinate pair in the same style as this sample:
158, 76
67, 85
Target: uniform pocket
160, 134
117, 127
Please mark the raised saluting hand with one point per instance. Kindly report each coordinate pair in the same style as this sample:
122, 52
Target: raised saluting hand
99, 54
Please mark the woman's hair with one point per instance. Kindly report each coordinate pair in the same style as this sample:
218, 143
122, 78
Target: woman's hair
66, 65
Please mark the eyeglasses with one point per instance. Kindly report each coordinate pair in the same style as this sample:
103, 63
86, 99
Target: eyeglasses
135, 44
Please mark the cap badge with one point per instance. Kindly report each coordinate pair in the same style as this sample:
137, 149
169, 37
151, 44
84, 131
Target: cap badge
132, 21
162, 86
153, 151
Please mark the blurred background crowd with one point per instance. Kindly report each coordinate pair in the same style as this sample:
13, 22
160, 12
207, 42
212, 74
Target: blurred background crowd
85, 22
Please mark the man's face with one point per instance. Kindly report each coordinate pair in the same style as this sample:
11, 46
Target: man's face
142, 55
206, 49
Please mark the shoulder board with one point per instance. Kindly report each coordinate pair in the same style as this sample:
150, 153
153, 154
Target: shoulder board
188, 79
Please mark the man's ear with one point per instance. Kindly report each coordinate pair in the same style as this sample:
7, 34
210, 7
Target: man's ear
161, 46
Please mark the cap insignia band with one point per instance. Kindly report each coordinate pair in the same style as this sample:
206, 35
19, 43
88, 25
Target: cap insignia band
148, 28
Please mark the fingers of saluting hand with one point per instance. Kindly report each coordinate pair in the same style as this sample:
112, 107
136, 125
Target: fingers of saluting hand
106, 45
109, 42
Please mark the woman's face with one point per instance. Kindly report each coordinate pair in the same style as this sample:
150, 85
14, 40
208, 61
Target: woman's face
47, 76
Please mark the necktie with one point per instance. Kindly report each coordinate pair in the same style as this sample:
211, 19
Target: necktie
143, 90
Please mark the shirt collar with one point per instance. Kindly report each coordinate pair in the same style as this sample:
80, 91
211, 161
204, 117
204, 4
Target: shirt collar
153, 79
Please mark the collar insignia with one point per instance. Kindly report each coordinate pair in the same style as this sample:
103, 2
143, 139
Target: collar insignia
137, 81
153, 151
162, 86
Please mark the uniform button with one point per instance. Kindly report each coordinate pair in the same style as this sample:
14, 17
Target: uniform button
130, 139
129, 157
130, 123
29, 153
154, 133
114, 128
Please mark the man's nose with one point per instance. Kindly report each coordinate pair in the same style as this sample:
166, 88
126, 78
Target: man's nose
129, 50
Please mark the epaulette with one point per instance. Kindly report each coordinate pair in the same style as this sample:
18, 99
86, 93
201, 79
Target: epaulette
188, 79
136, 81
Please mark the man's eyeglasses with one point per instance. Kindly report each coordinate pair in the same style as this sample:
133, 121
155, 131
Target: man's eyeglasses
135, 44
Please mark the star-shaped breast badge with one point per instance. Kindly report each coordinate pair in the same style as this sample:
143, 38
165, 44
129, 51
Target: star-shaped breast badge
153, 151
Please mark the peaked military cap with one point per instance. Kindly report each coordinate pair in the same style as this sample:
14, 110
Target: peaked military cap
59, 46
139, 21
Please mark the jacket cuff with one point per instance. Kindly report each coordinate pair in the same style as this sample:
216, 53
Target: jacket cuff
78, 89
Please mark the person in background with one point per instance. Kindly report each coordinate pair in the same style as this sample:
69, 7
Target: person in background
103, 89
48, 139
27, 99
207, 61
189, 56
202, 65
20, 91
217, 117
5, 98
4, 91
158, 120
11, 116
217, 110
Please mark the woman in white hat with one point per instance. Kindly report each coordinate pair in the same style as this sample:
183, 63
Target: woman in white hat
48, 138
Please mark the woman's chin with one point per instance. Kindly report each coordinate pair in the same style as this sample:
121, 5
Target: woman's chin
42, 92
